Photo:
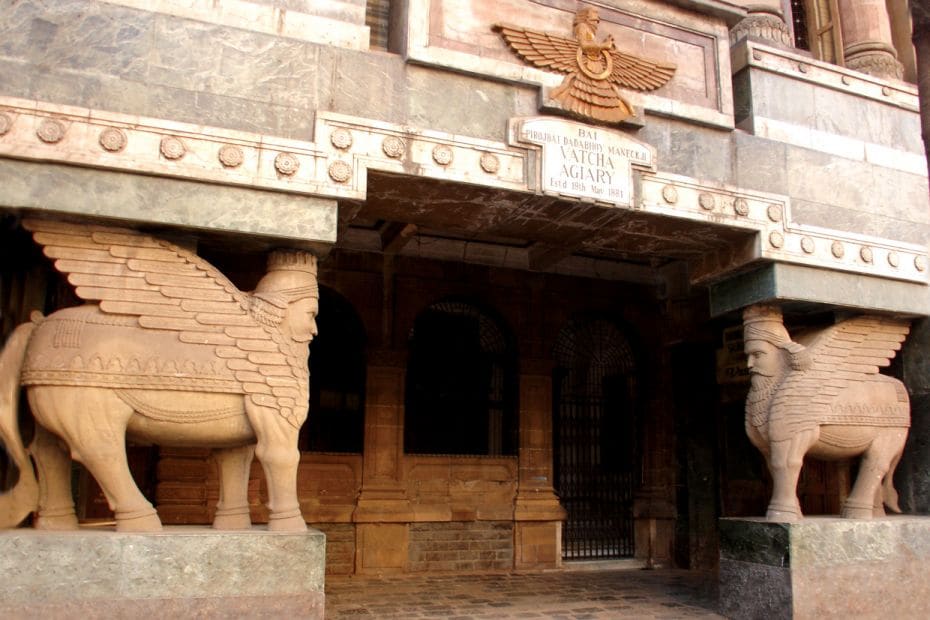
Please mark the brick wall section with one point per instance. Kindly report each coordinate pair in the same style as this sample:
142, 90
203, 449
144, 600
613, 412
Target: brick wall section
461, 546
340, 547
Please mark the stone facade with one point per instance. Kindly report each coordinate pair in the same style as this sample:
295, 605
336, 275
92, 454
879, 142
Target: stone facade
404, 144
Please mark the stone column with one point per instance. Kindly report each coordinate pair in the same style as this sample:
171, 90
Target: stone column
383, 511
867, 41
654, 509
920, 13
538, 515
764, 22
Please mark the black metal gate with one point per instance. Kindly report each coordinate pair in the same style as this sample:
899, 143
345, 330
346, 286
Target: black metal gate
595, 443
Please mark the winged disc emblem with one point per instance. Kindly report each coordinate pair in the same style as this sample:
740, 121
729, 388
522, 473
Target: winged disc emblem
596, 70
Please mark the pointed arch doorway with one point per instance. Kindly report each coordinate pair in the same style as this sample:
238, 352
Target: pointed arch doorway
594, 385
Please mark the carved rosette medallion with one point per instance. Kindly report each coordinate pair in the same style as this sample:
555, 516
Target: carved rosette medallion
741, 207
393, 147
6, 123
706, 201
838, 249
442, 154
341, 138
340, 171
865, 253
776, 239
112, 139
670, 194
489, 163
172, 148
230, 156
50, 131
286, 164
893, 259
920, 263
775, 213
807, 245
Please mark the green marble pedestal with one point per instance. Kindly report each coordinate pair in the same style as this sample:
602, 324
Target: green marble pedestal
825, 567
183, 572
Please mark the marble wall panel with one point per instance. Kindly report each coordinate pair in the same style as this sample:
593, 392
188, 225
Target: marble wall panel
464, 105
121, 59
70, 189
759, 164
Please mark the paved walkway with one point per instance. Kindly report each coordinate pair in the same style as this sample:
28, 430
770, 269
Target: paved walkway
566, 595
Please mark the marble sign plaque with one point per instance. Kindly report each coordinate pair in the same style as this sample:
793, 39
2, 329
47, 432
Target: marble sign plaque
584, 161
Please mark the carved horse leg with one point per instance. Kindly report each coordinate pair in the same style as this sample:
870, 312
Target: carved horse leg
53, 464
96, 434
232, 510
785, 461
278, 453
865, 501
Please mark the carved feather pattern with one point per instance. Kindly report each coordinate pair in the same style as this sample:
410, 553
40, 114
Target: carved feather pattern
168, 288
845, 363
541, 49
639, 73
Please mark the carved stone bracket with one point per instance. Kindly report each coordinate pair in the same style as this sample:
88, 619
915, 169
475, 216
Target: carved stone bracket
780, 239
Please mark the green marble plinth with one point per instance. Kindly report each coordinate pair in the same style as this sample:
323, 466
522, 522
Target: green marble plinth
825, 568
181, 572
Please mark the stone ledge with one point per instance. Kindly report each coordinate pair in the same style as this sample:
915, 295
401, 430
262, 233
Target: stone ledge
191, 570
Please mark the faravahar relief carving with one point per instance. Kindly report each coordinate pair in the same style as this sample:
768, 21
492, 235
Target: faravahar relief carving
596, 71
822, 395
166, 351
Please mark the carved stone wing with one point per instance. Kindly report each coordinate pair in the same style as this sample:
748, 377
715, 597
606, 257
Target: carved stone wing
639, 73
845, 359
168, 288
544, 50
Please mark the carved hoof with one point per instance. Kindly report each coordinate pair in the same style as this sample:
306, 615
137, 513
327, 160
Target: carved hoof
57, 521
232, 519
857, 511
783, 514
291, 521
139, 521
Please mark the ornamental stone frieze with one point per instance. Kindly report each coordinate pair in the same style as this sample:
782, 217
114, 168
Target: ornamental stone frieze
544, 155
79, 136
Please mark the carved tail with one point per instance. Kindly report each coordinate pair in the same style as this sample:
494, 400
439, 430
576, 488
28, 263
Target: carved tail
24, 497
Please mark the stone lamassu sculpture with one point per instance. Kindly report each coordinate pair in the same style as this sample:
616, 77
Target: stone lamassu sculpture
168, 351
823, 396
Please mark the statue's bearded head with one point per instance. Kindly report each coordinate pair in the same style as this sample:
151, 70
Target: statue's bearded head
770, 354
288, 296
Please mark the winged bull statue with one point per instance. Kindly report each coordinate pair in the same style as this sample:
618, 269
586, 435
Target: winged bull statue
823, 396
595, 71
167, 351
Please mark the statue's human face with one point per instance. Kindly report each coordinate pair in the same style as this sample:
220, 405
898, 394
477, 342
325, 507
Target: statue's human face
763, 358
301, 319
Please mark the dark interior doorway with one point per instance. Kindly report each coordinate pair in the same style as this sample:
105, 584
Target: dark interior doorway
595, 439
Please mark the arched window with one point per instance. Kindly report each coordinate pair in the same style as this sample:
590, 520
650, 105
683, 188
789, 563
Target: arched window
337, 379
461, 383
595, 432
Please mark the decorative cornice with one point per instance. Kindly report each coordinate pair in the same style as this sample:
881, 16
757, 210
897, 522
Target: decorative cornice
336, 167
757, 55
780, 239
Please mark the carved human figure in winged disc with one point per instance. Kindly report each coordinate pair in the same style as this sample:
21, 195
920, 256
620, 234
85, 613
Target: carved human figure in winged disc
167, 351
596, 70
823, 395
